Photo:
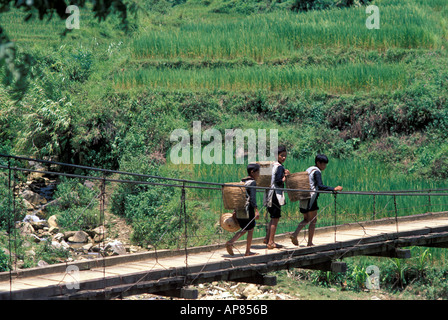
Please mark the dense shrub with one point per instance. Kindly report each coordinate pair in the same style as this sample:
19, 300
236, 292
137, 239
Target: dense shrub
4, 261
153, 211
77, 205
242, 7
12, 207
47, 128
306, 5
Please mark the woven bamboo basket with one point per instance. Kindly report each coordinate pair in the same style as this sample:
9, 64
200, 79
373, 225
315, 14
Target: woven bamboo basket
234, 197
264, 179
298, 180
228, 222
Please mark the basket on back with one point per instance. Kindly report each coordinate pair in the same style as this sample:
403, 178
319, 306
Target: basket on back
264, 179
234, 197
228, 222
298, 180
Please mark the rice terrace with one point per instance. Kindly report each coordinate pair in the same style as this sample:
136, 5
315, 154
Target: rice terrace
148, 150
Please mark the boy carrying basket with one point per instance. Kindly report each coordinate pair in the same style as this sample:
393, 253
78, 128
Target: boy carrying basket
309, 210
246, 217
274, 198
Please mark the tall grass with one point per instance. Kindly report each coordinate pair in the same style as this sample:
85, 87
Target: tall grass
353, 175
48, 33
34, 30
404, 24
279, 36
348, 78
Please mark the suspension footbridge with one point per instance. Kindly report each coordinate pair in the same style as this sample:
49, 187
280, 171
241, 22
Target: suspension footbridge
176, 272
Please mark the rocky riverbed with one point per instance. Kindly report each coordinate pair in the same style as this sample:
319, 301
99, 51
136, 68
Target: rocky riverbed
34, 196
229, 291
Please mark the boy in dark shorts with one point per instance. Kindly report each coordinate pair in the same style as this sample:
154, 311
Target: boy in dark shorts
309, 209
246, 217
275, 198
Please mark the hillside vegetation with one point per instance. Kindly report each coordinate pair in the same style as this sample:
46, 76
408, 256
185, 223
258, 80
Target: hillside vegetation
321, 77
374, 100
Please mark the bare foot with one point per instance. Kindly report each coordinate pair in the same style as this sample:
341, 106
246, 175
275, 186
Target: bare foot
250, 254
229, 248
274, 246
294, 240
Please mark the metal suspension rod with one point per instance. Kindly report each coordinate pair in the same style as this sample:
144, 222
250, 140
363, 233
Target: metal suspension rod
380, 193
204, 182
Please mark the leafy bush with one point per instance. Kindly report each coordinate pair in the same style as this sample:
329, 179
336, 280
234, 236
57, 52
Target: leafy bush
45, 251
306, 5
195, 107
439, 166
76, 207
79, 65
4, 261
152, 212
434, 286
47, 124
57, 73
154, 217
11, 208
243, 7
5, 220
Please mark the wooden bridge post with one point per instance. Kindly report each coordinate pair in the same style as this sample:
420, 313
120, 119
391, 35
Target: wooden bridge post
333, 266
394, 253
338, 267
259, 279
185, 293
403, 253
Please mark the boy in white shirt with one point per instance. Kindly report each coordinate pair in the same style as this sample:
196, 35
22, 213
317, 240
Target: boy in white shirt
310, 211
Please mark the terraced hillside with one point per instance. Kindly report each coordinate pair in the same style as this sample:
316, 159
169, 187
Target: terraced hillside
374, 100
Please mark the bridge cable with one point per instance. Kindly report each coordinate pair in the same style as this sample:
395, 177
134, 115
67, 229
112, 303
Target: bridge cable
335, 215
184, 213
102, 219
183, 203
9, 227
396, 212
374, 207
401, 192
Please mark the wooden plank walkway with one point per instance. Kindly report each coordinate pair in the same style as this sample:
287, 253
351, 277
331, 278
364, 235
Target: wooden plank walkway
168, 270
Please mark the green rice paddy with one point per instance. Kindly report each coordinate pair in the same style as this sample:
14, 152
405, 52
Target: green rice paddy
353, 175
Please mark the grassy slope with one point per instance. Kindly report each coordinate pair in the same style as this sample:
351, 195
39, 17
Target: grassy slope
322, 79
195, 48
281, 51
238, 71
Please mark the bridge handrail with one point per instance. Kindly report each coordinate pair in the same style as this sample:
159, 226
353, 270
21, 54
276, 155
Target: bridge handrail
426, 192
